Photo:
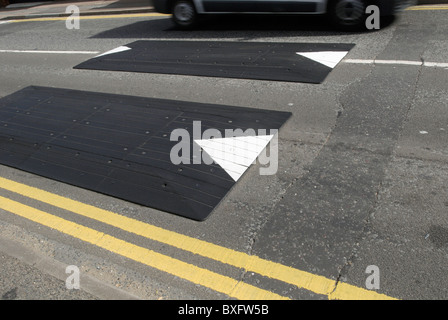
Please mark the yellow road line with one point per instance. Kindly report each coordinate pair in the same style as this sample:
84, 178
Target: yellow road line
301, 279
192, 273
420, 8
94, 17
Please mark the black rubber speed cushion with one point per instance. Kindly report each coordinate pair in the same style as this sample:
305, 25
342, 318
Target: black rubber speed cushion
120, 145
245, 60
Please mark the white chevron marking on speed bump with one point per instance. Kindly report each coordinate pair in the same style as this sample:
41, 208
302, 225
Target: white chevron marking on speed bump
116, 50
327, 58
235, 154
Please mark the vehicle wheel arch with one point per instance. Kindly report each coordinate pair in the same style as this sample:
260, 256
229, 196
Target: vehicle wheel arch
330, 3
172, 2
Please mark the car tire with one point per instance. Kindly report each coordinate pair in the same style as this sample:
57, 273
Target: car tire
348, 14
184, 14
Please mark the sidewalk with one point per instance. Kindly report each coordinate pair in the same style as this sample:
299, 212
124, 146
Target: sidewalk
57, 8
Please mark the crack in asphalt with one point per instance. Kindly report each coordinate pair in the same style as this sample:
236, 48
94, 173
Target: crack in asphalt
350, 261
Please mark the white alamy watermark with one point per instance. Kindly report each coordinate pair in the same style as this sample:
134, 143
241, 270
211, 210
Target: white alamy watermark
234, 151
73, 280
72, 21
373, 280
373, 20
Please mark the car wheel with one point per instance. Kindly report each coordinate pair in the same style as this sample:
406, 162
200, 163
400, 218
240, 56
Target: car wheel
348, 14
184, 14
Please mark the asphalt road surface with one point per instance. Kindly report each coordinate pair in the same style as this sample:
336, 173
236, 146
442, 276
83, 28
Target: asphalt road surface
361, 182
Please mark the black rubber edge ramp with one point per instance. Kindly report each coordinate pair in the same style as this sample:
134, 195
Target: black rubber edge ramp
120, 145
243, 60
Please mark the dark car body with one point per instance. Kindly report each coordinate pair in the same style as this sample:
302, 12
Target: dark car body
350, 11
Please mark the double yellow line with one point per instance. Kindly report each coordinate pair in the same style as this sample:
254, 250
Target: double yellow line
229, 286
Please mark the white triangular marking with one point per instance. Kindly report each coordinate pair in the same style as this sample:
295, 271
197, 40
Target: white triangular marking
116, 50
328, 58
235, 154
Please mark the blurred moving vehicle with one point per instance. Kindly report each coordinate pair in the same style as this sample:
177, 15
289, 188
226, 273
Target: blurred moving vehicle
344, 13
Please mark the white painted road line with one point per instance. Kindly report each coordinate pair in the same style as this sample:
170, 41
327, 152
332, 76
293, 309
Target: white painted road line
404, 62
49, 52
353, 61
397, 62
435, 64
